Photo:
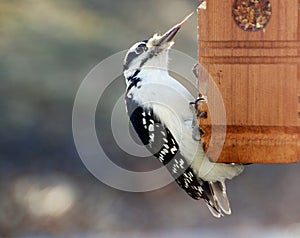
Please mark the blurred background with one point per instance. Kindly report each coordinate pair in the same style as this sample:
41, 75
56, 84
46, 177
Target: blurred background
47, 48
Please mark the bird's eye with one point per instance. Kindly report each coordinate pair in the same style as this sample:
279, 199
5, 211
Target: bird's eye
140, 49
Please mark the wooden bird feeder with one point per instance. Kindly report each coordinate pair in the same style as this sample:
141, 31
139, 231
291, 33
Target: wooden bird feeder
251, 50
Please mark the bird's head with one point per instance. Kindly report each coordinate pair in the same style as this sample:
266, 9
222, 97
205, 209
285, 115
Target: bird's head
152, 52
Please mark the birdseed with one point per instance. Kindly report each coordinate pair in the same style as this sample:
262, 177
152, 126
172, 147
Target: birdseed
252, 15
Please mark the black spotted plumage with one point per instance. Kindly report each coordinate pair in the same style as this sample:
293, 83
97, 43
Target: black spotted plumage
161, 143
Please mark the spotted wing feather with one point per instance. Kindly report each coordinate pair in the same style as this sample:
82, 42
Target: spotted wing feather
161, 143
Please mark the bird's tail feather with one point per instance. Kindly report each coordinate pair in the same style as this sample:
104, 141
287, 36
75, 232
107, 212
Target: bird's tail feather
218, 191
216, 214
218, 203
211, 201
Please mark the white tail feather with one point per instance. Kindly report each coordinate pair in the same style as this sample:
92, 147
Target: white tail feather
218, 190
214, 212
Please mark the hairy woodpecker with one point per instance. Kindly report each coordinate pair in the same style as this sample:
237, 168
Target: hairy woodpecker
158, 107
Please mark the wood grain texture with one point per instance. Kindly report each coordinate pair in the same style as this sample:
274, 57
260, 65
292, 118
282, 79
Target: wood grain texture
298, 74
258, 77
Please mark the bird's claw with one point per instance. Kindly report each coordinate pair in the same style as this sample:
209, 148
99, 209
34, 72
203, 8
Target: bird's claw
196, 70
198, 132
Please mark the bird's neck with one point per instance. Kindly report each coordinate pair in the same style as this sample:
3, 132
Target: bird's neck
159, 61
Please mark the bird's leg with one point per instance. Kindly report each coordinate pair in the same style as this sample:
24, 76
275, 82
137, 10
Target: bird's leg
196, 70
197, 131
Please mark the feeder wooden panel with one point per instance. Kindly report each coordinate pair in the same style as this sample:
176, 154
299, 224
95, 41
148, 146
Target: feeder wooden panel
258, 76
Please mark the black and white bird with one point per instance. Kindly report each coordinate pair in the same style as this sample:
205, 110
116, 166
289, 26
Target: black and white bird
159, 110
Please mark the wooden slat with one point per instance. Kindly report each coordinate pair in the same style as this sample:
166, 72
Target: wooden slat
282, 53
250, 60
260, 145
216, 23
298, 76
249, 44
258, 77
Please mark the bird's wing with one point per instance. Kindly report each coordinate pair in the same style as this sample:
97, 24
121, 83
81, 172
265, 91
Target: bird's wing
160, 142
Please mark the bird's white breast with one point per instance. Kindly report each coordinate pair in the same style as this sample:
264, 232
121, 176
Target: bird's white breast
170, 102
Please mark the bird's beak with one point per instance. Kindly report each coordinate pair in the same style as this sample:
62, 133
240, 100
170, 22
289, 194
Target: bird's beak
170, 34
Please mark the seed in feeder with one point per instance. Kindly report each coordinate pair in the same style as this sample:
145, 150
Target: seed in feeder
252, 15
